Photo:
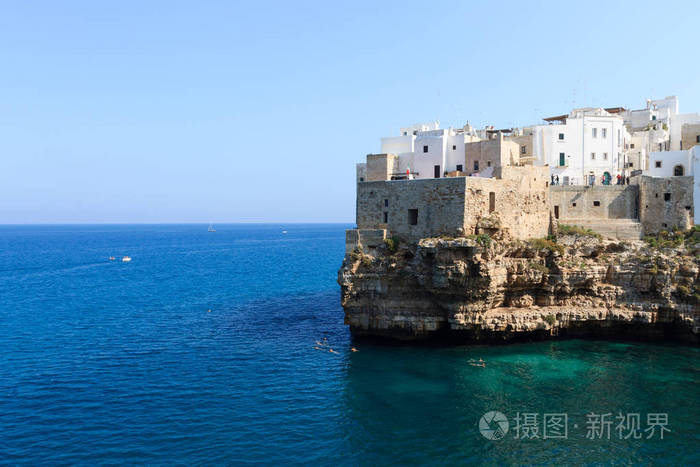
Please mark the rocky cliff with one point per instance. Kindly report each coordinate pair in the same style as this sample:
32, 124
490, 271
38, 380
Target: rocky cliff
489, 289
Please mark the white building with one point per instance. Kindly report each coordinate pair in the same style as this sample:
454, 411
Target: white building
670, 164
587, 146
427, 151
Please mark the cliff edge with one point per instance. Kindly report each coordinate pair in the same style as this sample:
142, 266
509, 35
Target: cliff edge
484, 289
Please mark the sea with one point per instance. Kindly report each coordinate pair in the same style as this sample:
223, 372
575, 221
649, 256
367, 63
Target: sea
213, 348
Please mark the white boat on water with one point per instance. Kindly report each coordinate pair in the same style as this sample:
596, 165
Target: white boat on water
126, 259
211, 227
284, 231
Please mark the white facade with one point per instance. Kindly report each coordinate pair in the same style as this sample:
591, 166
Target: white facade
588, 146
427, 151
670, 164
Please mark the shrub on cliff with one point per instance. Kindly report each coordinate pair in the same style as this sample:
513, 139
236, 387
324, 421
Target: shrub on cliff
577, 230
392, 244
483, 240
546, 244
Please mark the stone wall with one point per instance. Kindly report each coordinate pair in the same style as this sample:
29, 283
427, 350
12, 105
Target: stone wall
665, 202
496, 152
438, 206
689, 135
594, 202
366, 239
381, 166
523, 141
516, 201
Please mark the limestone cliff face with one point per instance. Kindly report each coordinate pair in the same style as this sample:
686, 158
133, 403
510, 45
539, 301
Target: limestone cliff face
494, 291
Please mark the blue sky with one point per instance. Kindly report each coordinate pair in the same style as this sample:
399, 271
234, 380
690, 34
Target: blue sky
257, 112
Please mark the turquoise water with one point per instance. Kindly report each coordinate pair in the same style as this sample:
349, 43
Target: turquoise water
110, 362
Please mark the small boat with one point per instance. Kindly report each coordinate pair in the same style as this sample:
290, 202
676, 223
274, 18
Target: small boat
211, 227
112, 258
126, 259
284, 231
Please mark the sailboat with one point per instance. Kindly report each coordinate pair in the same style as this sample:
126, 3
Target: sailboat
211, 227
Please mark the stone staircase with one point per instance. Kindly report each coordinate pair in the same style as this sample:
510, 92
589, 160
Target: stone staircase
621, 229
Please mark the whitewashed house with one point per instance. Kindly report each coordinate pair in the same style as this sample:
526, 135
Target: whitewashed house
427, 151
584, 147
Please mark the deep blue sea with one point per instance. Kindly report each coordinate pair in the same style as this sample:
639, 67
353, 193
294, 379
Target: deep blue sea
201, 351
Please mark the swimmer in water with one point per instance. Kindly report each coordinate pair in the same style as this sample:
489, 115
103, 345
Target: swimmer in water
354, 350
331, 351
318, 343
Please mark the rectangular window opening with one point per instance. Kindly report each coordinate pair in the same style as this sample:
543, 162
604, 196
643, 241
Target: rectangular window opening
454, 147
476, 165
386, 217
413, 217
562, 159
386, 203
425, 148
436, 172
561, 136
459, 167
657, 164
667, 196
596, 203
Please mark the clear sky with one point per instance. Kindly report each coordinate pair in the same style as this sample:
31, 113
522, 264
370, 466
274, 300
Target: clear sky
152, 111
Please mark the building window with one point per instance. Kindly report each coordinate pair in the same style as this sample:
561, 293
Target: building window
657, 164
386, 203
697, 139
661, 146
595, 132
386, 217
362, 179
562, 159
596, 203
492, 201
459, 167
678, 171
425, 148
476, 165
488, 163
604, 132
605, 156
561, 136
632, 145
592, 156
573, 204
413, 217
653, 117
405, 133
436, 171
667, 196
523, 149
454, 147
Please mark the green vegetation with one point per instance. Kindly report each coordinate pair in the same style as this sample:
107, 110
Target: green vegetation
673, 239
366, 260
550, 319
577, 230
538, 267
392, 244
483, 240
356, 254
546, 244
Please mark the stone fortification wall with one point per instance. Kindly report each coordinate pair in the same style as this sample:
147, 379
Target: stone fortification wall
665, 203
413, 209
595, 202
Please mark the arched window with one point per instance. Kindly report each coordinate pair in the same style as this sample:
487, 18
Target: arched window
678, 171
